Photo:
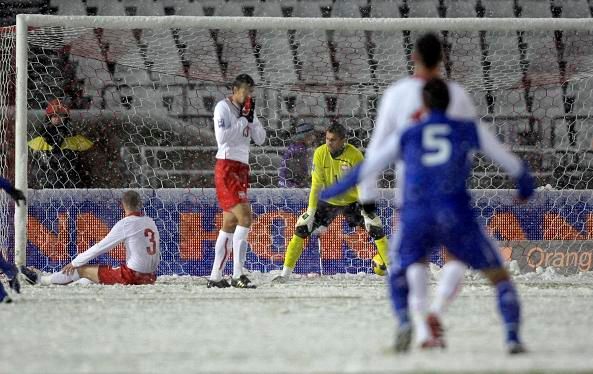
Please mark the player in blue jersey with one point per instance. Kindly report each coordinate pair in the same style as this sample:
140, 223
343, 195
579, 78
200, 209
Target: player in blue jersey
436, 211
7, 268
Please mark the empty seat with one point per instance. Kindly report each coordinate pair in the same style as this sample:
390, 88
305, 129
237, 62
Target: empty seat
461, 8
349, 106
465, 58
203, 99
385, 9
311, 104
390, 56
503, 55
352, 56
200, 53
107, 8
161, 52
574, 8
542, 56
311, 8
347, 9
69, 7
423, 8
277, 57
535, 9
499, 9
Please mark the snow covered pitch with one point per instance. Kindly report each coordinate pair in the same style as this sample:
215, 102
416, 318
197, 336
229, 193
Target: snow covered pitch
312, 325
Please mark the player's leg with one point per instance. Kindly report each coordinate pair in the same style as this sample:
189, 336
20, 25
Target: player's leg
448, 285
222, 250
323, 216
243, 213
478, 251
374, 228
11, 272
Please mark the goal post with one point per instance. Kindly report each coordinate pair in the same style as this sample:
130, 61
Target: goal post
141, 90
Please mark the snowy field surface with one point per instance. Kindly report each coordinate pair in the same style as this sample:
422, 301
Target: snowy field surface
311, 325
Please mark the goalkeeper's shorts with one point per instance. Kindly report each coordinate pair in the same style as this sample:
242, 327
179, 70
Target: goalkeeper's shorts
124, 275
231, 179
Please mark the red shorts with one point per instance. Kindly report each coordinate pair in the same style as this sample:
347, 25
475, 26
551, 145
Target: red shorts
231, 179
123, 275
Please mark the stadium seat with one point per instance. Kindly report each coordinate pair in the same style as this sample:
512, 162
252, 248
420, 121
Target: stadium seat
535, 9
352, 56
423, 8
465, 58
461, 8
69, 7
574, 8
107, 8
499, 9
347, 9
202, 99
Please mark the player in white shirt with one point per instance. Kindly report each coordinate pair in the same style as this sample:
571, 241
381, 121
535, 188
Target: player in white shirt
141, 240
235, 126
400, 107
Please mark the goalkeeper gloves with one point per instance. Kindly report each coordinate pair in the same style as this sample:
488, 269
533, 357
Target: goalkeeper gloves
248, 109
369, 214
17, 195
307, 219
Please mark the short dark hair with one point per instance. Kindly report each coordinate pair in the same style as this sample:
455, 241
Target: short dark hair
338, 129
435, 94
132, 200
429, 49
243, 79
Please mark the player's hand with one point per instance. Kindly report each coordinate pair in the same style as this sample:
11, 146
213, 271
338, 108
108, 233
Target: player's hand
371, 220
307, 219
17, 195
248, 110
69, 269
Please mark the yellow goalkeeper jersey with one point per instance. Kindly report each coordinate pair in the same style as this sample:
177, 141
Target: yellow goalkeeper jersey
326, 170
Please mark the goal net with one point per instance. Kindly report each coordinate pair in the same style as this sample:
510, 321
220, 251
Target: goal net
135, 96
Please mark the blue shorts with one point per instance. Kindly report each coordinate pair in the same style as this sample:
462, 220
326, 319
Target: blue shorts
421, 232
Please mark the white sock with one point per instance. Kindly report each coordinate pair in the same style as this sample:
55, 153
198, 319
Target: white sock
417, 277
239, 250
448, 286
61, 278
222, 252
83, 282
286, 271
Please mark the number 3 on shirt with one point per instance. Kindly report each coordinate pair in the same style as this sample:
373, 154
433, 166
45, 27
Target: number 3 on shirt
435, 141
151, 249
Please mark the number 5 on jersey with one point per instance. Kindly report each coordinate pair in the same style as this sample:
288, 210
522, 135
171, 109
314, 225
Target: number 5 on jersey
151, 249
435, 141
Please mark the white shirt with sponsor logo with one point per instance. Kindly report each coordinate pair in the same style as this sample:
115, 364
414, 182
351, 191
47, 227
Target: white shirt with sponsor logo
234, 133
141, 239
399, 108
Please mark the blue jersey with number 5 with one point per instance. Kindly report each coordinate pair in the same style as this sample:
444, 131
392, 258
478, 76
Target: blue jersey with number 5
437, 154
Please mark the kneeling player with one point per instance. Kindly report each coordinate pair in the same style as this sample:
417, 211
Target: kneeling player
437, 211
330, 162
141, 239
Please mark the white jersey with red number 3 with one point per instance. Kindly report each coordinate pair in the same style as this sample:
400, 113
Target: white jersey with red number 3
234, 133
141, 239
400, 107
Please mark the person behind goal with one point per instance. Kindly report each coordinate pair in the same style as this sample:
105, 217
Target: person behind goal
235, 125
330, 161
141, 240
437, 211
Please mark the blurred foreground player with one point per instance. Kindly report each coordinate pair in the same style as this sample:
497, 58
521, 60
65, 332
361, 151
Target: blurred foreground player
436, 211
235, 125
7, 268
141, 240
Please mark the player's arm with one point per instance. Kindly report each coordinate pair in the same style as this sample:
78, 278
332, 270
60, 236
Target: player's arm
226, 127
384, 129
17, 195
369, 168
113, 238
317, 183
495, 150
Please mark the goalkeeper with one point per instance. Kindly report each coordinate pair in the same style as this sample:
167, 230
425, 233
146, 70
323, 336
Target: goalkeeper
330, 161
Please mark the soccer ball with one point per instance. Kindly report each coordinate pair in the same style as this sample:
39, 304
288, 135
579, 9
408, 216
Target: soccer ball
378, 265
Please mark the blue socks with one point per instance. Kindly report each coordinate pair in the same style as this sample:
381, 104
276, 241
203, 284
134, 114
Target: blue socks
510, 309
398, 288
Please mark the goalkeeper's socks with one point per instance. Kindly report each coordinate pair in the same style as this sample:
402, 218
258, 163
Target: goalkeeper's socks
510, 309
286, 271
222, 252
417, 277
398, 288
61, 278
293, 251
239, 247
449, 285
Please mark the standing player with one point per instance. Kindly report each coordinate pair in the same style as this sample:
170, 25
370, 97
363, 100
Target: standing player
7, 268
436, 210
141, 239
235, 125
330, 161
401, 106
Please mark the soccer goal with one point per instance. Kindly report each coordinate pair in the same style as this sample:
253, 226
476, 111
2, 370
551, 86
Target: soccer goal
138, 94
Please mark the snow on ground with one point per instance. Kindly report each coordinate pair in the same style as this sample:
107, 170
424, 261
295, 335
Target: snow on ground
311, 325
